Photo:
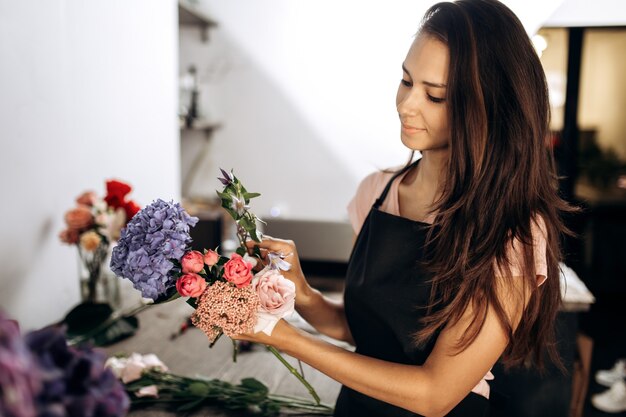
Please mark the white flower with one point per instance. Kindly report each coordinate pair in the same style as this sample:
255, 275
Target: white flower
148, 391
239, 205
111, 223
130, 369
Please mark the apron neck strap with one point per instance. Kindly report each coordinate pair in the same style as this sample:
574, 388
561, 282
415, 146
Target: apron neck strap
383, 195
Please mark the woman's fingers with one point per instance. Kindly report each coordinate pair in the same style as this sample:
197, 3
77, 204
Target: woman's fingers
271, 244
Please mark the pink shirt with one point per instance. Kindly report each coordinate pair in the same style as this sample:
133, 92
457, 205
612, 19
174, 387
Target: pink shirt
373, 185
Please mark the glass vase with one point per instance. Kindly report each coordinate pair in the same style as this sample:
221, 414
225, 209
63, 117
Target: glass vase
98, 284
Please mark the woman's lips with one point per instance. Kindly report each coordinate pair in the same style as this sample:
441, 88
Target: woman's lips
411, 129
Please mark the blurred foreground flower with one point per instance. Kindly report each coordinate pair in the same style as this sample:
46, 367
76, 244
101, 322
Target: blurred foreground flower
19, 376
40, 375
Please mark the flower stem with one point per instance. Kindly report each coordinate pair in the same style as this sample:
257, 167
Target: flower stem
296, 374
234, 350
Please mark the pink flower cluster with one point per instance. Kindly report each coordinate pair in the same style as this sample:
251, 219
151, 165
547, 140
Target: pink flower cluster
226, 308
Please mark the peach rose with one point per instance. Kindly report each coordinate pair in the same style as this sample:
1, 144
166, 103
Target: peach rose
277, 297
79, 218
88, 198
192, 262
238, 271
69, 236
90, 241
211, 257
190, 285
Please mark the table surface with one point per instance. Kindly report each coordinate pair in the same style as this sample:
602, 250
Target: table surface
190, 355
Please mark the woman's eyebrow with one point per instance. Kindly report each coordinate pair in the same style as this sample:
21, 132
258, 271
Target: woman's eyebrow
428, 83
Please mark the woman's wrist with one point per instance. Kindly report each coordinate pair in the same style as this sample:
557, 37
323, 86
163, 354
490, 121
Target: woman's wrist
305, 297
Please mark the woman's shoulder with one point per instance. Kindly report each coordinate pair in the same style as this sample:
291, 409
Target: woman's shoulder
368, 190
374, 183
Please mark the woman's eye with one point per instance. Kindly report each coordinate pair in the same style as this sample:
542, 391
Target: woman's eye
436, 99
405, 82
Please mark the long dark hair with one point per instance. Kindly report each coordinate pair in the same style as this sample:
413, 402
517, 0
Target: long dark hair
500, 178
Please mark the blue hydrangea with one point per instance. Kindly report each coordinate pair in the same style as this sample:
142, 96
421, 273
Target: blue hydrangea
149, 243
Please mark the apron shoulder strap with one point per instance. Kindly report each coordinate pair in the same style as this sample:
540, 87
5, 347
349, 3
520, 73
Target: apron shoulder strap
383, 195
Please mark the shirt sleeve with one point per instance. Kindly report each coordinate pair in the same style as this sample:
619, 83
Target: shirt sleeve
366, 193
516, 257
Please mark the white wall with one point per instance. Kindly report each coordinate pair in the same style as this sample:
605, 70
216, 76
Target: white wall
88, 91
306, 93
588, 13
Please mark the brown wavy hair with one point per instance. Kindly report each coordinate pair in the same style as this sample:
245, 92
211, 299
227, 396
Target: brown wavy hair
501, 177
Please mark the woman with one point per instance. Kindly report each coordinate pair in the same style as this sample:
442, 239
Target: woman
455, 263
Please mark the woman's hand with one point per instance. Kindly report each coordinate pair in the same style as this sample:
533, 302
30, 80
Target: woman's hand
286, 248
282, 332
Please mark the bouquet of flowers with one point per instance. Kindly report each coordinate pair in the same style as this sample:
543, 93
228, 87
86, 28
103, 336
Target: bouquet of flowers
153, 252
149, 381
93, 225
40, 375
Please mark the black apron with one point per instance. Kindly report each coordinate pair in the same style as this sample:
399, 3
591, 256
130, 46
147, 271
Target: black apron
384, 287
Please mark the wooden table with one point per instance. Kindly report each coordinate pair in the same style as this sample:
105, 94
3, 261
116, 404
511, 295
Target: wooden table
190, 355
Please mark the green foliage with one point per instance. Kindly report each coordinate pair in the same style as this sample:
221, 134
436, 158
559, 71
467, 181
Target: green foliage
181, 393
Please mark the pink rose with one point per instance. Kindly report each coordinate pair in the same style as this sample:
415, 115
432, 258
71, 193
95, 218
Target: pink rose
190, 285
238, 271
277, 293
211, 257
79, 218
192, 262
88, 198
69, 236
277, 297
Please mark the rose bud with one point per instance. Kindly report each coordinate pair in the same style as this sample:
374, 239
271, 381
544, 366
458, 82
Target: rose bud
211, 257
69, 236
88, 198
192, 262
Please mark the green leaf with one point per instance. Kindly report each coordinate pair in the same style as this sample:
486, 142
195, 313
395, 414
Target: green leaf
191, 405
250, 195
118, 330
247, 223
241, 251
256, 238
198, 389
254, 384
170, 295
193, 302
85, 317
223, 195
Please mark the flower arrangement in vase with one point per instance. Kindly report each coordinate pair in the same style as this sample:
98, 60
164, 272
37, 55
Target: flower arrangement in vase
94, 226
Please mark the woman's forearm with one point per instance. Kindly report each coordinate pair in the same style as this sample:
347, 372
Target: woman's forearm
325, 315
406, 386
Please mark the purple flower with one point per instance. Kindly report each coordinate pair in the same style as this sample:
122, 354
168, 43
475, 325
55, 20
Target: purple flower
154, 237
19, 377
276, 261
228, 179
75, 381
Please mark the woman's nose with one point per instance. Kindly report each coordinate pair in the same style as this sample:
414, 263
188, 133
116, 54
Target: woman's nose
409, 104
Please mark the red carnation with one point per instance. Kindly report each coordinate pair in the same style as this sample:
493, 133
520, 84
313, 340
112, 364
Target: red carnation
116, 192
131, 208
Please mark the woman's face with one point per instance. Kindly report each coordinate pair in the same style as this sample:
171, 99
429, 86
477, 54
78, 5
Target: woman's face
421, 98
